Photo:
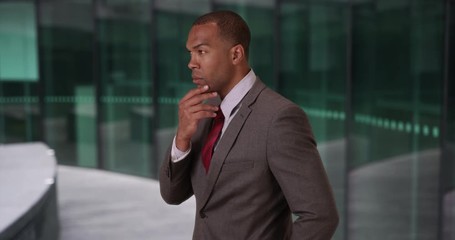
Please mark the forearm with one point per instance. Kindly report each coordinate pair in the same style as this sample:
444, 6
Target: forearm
175, 180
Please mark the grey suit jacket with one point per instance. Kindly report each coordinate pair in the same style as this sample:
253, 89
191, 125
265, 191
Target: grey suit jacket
266, 167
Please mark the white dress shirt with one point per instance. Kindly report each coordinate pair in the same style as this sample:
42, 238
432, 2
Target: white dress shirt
229, 106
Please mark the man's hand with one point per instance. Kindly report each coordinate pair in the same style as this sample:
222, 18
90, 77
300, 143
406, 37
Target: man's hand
192, 109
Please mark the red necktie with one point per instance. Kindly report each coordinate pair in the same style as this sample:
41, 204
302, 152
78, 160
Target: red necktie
214, 134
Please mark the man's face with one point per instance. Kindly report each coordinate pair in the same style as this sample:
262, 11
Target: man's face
211, 62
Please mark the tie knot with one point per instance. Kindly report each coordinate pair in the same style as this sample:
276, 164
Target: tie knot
219, 115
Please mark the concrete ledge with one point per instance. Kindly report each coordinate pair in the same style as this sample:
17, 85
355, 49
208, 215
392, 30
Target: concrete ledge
28, 202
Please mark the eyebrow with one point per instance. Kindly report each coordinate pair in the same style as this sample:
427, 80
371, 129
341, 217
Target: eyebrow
199, 45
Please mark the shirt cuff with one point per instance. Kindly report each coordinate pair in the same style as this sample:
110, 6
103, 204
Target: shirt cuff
176, 154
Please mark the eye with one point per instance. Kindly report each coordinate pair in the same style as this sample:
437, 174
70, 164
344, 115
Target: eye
201, 52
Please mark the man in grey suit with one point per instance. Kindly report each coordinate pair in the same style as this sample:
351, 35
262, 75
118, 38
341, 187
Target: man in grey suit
263, 166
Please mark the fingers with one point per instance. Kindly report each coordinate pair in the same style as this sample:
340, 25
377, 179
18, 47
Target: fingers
194, 92
195, 109
199, 93
192, 109
201, 108
194, 99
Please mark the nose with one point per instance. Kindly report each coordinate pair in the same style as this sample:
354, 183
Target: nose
192, 64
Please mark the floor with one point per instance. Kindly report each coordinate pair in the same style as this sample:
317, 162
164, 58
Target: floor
394, 199
98, 205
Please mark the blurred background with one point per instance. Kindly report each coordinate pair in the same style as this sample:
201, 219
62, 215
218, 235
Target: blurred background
99, 81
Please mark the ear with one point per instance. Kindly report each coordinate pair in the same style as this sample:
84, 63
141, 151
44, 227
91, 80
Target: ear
237, 54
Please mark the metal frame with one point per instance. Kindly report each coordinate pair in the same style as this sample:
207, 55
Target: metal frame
349, 119
100, 163
444, 122
41, 85
154, 163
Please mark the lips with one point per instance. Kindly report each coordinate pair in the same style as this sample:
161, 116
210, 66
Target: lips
197, 80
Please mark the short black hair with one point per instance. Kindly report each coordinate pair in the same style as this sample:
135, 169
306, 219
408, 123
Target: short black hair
232, 27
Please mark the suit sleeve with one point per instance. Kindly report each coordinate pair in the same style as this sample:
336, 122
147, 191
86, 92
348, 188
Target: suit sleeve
298, 169
175, 179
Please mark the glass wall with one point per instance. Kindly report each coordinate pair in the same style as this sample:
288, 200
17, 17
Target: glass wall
20, 115
395, 150
99, 81
66, 58
126, 113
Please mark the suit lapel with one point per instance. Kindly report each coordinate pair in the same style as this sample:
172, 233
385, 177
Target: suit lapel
228, 139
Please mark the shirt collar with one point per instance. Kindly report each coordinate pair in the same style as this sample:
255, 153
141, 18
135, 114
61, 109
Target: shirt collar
237, 93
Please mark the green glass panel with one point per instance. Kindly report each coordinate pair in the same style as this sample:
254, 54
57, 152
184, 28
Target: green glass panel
394, 155
18, 50
67, 76
19, 105
126, 109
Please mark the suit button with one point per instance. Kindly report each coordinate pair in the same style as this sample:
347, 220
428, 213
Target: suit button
202, 214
